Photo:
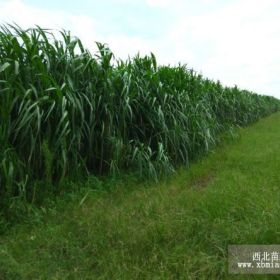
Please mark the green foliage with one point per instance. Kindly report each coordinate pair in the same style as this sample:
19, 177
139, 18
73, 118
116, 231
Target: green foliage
63, 111
176, 229
9, 268
48, 159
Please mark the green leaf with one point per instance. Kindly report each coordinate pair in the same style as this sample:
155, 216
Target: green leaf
4, 66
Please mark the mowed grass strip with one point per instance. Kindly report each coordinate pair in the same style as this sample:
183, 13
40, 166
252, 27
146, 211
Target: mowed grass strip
177, 229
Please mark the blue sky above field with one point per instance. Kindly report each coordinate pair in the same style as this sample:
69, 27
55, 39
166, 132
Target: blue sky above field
235, 41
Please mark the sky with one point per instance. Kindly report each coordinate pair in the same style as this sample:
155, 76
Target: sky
234, 41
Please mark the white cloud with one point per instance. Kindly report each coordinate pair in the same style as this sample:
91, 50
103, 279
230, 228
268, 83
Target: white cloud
159, 3
26, 16
84, 27
238, 43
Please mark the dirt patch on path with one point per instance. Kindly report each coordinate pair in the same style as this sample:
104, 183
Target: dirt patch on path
203, 181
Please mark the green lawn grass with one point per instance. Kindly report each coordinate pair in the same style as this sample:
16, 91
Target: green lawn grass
176, 229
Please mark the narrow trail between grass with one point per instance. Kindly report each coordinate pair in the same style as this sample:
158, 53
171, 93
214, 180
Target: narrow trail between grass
176, 229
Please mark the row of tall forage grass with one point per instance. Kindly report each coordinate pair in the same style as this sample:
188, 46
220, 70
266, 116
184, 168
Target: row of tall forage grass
65, 111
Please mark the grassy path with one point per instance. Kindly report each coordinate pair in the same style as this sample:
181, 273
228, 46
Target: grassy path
178, 229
